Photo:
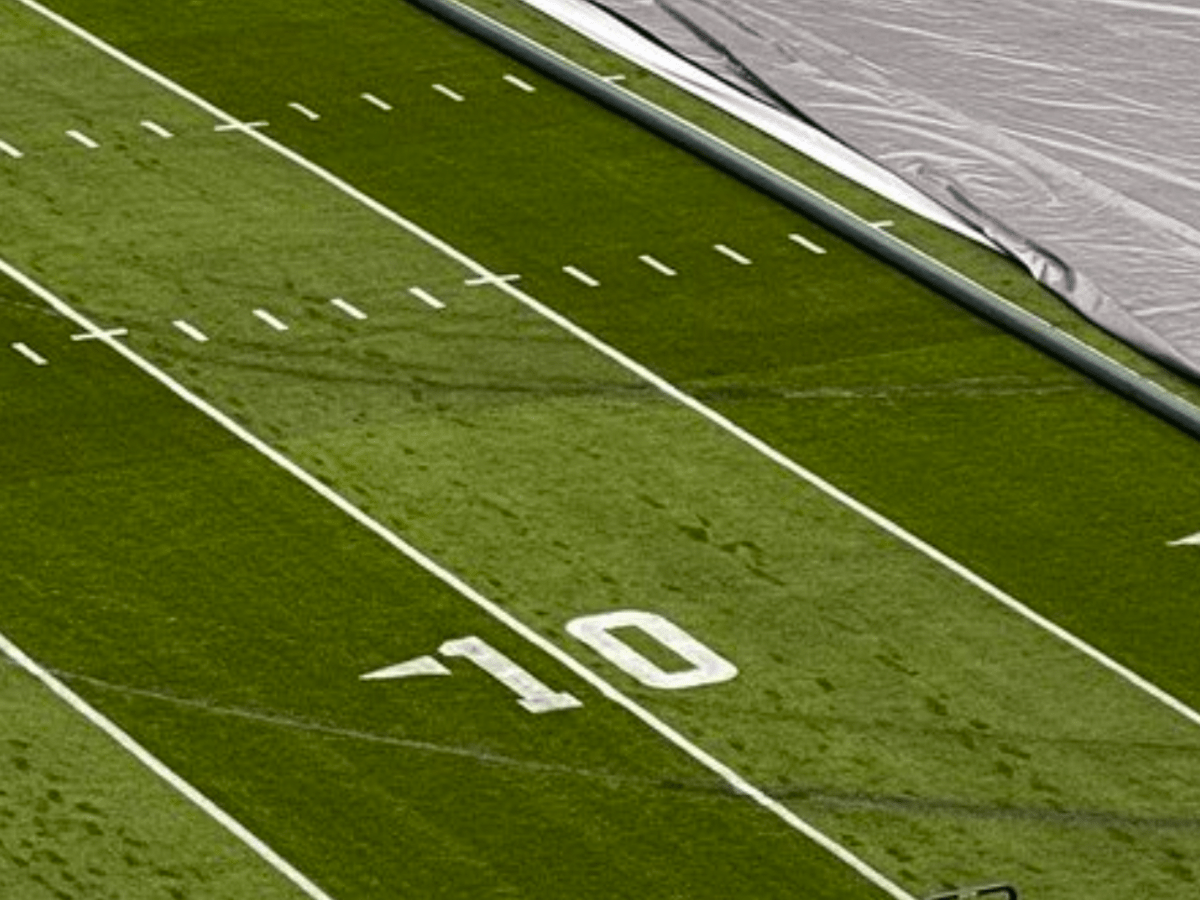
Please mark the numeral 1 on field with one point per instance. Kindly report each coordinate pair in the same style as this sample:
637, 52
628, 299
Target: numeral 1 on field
534, 695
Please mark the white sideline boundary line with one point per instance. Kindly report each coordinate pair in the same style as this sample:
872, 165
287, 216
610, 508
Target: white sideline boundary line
155, 765
735, 781
880, 521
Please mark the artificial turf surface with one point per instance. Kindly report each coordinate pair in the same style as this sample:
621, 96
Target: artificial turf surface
223, 613
939, 736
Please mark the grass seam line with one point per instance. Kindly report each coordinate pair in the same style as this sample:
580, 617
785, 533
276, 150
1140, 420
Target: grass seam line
736, 781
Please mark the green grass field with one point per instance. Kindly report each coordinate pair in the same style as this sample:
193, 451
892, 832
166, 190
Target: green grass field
221, 611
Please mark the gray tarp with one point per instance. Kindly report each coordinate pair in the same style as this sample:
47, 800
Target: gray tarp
1068, 131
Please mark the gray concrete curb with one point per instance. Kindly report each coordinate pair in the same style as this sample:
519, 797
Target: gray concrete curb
824, 212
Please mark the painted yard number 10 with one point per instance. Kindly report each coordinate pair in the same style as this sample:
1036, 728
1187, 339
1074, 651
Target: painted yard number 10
701, 665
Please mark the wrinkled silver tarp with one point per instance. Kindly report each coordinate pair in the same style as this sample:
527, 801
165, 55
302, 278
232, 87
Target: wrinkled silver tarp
1067, 131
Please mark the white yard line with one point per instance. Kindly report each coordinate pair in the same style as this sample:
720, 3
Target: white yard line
657, 266
155, 128
447, 92
427, 298
808, 245
376, 102
580, 275
80, 138
729, 252
271, 320
191, 331
520, 83
9, 150
30, 354
348, 308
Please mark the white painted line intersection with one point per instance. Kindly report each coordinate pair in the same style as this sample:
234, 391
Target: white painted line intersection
580, 275
732, 254
657, 266
80, 138
491, 278
191, 331
305, 111
520, 83
99, 334
804, 242
447, 92
427, 298
30, 354
245, 127
155, 128
271, 320
376, 102
348, 308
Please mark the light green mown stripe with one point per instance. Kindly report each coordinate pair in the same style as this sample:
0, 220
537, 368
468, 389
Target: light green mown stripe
877, 693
